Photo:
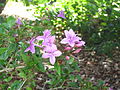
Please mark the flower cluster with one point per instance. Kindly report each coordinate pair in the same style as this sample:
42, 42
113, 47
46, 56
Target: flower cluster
72, 41
49, 47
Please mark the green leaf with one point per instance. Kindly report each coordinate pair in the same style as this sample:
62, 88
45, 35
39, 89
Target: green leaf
57, 68
25, 58
8, 79
72, 77
28, 88
4, 56
15, 85
22, 74
11, 21
11, 48
79, 78
100, 83
73, 84
2, 31
38, 63
2, 50
41, 67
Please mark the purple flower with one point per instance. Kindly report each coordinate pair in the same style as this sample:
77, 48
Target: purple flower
31, 48
51, 47
49, 41
45, 36
51, 54
71, 38
61, 14
19, 22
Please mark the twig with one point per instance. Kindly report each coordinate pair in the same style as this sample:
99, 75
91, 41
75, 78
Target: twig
10, 69
22, 84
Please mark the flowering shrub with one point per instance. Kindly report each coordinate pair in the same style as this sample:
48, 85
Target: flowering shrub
59, 48
50, 49
97, 21
59, 45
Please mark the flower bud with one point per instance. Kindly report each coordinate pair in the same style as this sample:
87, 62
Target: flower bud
67, 57
77, 51
68, 48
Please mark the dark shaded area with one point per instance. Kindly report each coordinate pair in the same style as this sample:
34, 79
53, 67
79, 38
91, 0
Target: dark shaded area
2, 4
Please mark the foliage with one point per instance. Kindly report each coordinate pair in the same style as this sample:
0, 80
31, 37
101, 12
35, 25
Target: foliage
19, 70
97, 22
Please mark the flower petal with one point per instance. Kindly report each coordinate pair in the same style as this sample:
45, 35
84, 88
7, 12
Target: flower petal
72, 44
52, 39
45, 55
27, 49
49, 41
32, 40
40, 38
61, 14
51, 48
66, 33
64, 41
52, 60
72, 33
32, 48
47, 33
82, 42
57, 53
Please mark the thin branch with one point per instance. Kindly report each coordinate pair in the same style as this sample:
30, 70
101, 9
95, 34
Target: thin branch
10, 69
22, 84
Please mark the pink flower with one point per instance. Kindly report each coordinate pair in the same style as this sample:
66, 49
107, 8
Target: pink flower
61, 14
71, 38
31, 48
47, 38
51, 54
49, 41
77, 51
49, 48
46, 34
67, 57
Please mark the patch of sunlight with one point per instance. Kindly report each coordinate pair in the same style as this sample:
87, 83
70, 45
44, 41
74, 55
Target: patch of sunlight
19, 9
